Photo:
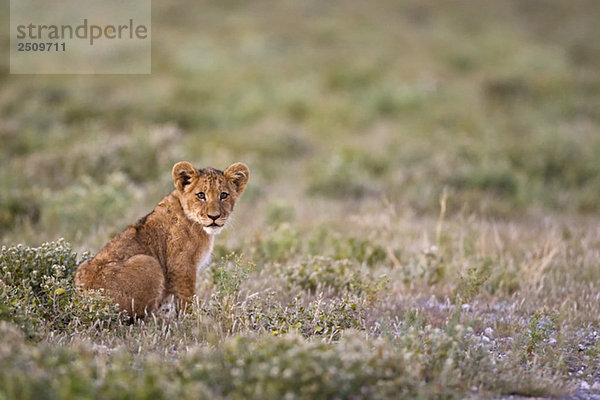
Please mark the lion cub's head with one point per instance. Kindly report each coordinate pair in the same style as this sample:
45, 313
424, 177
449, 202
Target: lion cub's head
208, 195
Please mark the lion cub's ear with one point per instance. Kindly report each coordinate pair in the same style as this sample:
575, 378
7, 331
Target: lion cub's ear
183, 172
238, 173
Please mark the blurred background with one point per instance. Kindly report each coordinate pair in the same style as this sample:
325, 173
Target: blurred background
339, 108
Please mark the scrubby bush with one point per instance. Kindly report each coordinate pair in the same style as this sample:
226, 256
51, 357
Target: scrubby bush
416, 363
85, 372
323, 274
232, 311
266, 314
228, 273
410, 362
38, 294
290, 367
320, 273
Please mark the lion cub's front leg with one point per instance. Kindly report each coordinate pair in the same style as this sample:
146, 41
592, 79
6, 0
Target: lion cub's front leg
182, 284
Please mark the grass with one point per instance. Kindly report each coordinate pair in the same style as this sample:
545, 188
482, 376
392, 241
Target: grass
421, 219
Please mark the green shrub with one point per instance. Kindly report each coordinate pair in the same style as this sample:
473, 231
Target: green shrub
323, 274
325, 241
228, 274
86, 372
410, 363
37, 291
426, 363
268, 368
361, 250
428, 267
265, 314
228, 308
541, 326
472, 281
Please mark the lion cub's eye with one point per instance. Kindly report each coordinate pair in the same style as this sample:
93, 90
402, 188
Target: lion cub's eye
201, 196
223, 195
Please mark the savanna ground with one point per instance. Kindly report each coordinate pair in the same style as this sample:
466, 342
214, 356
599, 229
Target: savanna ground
421, 221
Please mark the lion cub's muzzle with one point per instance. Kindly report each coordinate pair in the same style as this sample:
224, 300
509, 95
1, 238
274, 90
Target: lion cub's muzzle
214, 219
213, 223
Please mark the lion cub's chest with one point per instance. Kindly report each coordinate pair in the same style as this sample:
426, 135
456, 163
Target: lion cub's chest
204, 261
204, 258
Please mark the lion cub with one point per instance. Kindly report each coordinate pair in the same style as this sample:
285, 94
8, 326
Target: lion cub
160, 254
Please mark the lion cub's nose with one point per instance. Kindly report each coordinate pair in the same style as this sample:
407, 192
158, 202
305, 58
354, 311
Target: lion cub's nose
214, 217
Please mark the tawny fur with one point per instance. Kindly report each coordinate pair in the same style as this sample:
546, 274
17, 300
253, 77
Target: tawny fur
159, 255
